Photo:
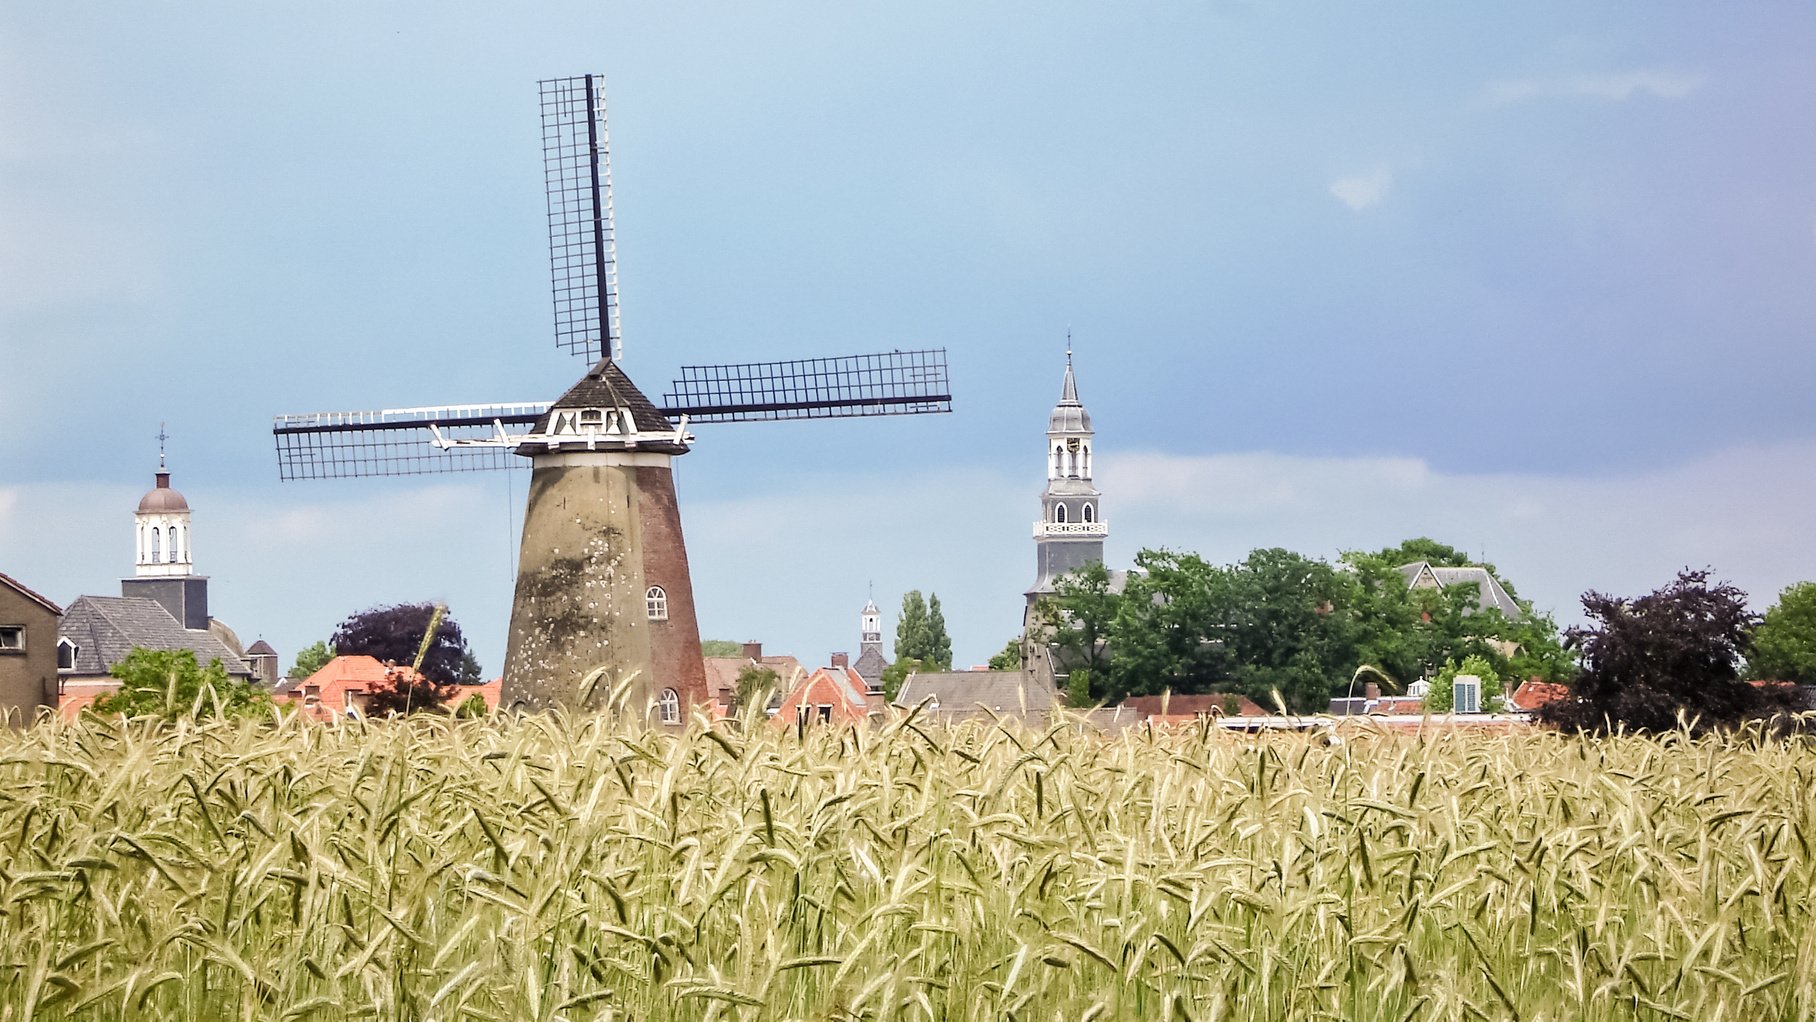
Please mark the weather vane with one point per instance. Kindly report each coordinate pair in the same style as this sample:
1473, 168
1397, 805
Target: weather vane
162, 436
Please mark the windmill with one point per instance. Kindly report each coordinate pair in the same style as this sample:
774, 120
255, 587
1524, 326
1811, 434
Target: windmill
603, 600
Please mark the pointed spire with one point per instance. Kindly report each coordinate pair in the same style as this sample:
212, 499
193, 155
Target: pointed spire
163, 436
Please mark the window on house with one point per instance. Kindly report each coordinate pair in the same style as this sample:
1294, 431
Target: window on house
1059, 513
12, 638
66, 655
669, 703
825, 713
655, 599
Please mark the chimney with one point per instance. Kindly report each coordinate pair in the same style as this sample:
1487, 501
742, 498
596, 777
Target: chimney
841, 660
753, 651
1371, 690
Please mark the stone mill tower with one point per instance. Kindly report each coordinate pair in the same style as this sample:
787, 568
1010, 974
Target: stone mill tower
603, 590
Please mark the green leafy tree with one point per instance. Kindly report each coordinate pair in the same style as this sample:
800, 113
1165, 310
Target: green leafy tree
920, 633
1078, 689
1292, 629
939, 644
721, 648
754, 687
1078, 619
1784, 644
472, 707
1009, 658
1171, 628
912, 634
169, 683
1675, 651
311, 658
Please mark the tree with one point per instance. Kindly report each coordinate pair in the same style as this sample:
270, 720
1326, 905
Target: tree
1077, 620
721, 647
1009, 658
911, 633
1292, 629
1170, 630
169, 683
939, 644
472, 707
920, 633
311, 658
394, 634
1784, 644
754, 686
1674, 651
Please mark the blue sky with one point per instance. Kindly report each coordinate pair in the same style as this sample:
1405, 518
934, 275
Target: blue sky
1537, 280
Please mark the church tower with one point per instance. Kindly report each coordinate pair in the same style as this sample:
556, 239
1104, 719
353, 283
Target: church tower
164, 569
871, 664
1071, 530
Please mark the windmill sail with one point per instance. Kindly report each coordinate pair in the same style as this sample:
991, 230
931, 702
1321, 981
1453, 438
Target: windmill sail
887, 383
583, 248
397, 442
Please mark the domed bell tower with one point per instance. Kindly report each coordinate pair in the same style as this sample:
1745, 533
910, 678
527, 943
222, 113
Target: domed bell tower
164, 568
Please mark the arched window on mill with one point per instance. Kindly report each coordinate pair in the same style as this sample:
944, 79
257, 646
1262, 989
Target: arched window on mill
655, 600
668, 704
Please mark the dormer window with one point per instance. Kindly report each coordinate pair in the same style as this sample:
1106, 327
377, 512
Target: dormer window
655, 600
592, 420
66, 654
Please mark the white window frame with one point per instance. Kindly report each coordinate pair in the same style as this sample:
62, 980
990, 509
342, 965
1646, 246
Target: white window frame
64, 643
12, 638
668, 706
655, 602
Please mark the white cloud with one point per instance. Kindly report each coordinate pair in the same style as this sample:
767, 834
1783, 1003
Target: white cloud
1612, 86
1361, 192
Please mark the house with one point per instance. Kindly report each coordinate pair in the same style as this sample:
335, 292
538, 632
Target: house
28, 652
97, 632
830, 695
965, 695
1490, 594
340, 688
722, 676
1534, 693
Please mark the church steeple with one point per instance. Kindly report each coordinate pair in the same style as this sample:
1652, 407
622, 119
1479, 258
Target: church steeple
1072, 529
162, 526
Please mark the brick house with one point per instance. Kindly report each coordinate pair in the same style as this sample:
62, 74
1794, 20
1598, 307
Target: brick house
28, 652
830, 695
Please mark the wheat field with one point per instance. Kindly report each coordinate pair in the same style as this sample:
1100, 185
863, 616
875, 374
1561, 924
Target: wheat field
551, 869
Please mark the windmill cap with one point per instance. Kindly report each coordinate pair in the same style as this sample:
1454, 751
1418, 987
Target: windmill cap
162, 498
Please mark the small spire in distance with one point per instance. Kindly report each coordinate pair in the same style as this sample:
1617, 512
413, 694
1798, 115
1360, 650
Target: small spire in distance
162, 436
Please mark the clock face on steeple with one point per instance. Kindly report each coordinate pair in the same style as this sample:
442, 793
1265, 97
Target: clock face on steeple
1072, 444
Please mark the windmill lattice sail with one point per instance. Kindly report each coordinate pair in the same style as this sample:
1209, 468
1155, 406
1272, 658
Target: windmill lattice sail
472, 438
583, 247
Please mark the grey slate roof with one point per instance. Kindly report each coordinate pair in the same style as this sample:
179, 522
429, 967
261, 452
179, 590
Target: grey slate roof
1489, 591
1069, 416
106, 628
870, 666
960, 694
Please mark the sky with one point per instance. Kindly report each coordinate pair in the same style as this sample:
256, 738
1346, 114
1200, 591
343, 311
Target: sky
1537, 280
